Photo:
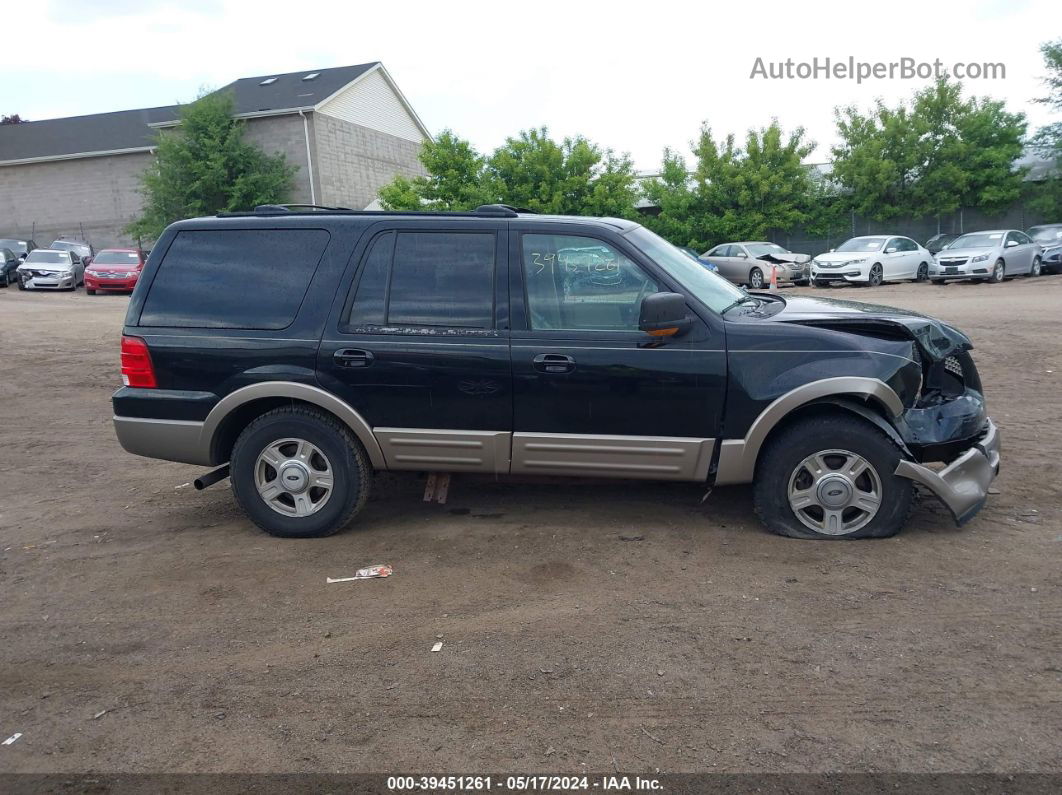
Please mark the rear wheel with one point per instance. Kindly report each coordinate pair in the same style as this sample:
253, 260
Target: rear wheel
299, 473
923, 272
831, 477
756, 279
1036, 268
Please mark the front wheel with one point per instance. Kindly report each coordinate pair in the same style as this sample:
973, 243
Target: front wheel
999, 272
1036, 268
877, 276
819, 284
89, 292
299, 473
831, 477
938, 282
756, 279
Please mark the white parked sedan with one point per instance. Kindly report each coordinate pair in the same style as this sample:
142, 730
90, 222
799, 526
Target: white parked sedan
991, 256
51, 270
871, 260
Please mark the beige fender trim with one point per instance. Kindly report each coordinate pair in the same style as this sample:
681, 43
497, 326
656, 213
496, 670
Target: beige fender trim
295, 391
737, 457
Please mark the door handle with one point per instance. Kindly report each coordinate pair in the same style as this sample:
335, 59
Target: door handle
353, 357
554, 363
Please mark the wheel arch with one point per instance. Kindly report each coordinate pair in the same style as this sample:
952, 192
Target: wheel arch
870, 398
238, 409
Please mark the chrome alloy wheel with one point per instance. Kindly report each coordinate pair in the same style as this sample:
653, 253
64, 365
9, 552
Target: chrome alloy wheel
293, 477
835, 492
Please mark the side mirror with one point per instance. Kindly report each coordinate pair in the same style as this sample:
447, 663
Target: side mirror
1011, 243
743, 255
832, 250
664, 314
890, 250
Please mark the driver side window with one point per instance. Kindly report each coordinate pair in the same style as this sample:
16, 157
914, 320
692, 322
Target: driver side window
581, 284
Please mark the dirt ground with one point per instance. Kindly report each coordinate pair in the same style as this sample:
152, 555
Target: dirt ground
585, 626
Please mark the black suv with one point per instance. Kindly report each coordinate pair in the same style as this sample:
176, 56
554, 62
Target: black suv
299, 350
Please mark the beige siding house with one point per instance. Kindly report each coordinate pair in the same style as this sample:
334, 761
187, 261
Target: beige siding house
347, 130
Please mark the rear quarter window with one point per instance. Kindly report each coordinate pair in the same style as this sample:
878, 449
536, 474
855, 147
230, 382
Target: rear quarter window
234, 278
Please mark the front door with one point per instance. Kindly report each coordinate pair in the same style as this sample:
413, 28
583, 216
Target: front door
420, 346
593, 395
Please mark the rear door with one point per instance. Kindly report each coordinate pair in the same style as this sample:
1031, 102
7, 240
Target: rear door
593, 395
418, 343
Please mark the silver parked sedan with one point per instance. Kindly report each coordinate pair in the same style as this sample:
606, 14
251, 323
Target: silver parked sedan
992, 256
750, 263
45, 269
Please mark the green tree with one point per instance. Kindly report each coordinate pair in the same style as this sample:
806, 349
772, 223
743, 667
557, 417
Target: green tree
682, 217
456, 178
531, 170
204, 166
1047, 195
930, 156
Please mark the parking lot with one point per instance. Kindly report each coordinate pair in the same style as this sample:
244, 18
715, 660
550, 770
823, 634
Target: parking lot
585, 626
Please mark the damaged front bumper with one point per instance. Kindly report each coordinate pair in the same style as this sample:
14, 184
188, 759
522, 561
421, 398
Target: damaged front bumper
963, 484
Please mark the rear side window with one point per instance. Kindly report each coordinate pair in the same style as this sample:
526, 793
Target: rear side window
234, 278
427, 279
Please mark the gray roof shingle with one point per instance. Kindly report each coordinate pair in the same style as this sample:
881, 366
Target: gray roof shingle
129, 129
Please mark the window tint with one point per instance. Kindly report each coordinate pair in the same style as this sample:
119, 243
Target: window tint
370, 299
442, 279
234, 278
1022, 238
580, 283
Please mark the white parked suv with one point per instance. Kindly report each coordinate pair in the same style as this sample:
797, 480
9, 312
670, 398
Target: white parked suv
871, 260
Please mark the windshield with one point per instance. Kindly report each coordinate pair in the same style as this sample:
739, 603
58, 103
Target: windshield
65, 245
116, 258
48, 257
978, 240
18, 246
710, 289
759, 249
862, 244
1041, 234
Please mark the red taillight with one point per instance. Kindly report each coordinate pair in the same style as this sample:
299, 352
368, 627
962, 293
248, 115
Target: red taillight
137, 369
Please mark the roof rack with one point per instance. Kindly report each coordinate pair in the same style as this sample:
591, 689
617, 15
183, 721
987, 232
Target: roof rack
483, 211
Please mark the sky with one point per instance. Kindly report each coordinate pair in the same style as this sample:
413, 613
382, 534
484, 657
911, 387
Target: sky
633, 77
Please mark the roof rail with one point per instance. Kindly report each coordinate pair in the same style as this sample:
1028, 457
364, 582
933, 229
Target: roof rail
497, 210
274, 209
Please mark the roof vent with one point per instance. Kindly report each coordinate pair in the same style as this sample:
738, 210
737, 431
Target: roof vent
268, 81
311, 76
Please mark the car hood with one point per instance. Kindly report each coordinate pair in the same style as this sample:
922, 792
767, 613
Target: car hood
845, 256
964, 252
43, 266
115, 268
935, 339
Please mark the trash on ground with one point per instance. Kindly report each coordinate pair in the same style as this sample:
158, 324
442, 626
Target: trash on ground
368, 573
631, 537
11, 740
100, 714
437, 646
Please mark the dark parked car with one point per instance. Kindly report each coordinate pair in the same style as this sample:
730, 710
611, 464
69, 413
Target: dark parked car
1050, 237
9, 263
937, 243
84, 250
21, 246
299, 351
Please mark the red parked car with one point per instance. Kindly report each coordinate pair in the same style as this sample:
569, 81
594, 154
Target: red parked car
114, 269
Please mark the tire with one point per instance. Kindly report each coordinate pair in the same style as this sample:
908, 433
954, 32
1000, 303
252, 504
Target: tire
343, 456
89, 292
755, 279
21, 284
782, 466
1036, 269
923, 272
999, 272
939, 282
877, 276
819, 284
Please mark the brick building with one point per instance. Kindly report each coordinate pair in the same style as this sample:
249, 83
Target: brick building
348, 131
